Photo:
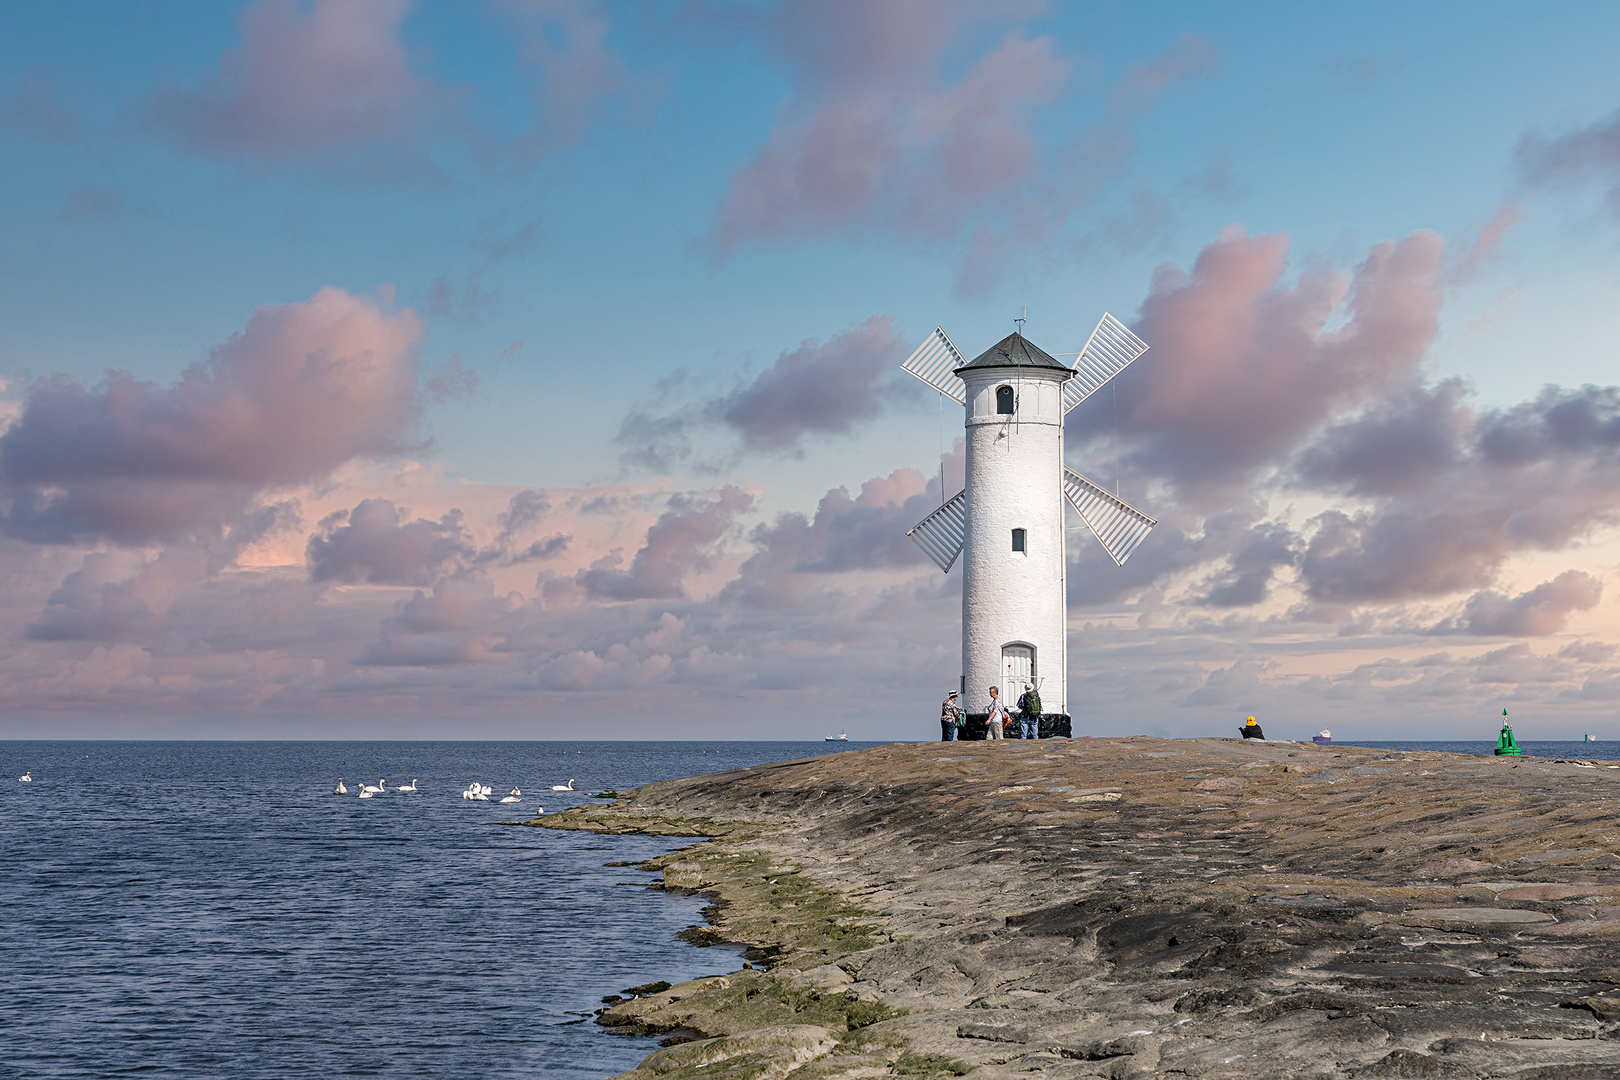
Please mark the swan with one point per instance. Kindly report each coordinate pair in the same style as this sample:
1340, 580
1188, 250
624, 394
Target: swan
486, 790
563, 787
26, 778
514, 797
408, 787
382, 786
368, 792
340, 789
477, 791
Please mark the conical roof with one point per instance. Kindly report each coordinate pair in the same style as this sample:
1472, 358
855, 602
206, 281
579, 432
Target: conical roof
1014, 351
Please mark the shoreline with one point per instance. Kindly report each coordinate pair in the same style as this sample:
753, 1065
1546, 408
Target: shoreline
1124, 907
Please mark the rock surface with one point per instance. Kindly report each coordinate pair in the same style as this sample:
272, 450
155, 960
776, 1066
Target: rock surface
1143, 907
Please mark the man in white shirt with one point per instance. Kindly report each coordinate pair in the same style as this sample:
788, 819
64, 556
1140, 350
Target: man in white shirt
998, 715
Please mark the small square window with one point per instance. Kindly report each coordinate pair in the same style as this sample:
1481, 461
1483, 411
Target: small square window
1018, 540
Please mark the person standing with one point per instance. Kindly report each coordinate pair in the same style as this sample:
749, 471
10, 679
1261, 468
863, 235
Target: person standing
1251, 729
948, 718
1029, 713
998, 715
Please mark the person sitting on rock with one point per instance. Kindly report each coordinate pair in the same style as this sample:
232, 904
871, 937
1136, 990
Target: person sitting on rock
998, 717
1251, 730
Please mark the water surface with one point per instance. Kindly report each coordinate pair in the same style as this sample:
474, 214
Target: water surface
212, 909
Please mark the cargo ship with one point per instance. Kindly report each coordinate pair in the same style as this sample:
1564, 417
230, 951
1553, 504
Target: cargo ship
1323, 736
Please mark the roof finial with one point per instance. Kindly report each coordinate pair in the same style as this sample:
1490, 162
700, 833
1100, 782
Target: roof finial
1021, 320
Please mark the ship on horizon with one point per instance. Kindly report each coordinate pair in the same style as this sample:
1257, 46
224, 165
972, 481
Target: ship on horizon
1323, 736
840, 737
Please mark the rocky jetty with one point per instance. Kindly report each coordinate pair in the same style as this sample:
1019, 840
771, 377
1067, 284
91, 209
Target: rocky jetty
1142, 907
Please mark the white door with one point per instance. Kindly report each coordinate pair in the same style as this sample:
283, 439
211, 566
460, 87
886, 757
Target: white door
1017, 671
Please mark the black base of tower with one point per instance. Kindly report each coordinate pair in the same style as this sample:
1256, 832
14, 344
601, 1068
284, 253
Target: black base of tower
1052, 725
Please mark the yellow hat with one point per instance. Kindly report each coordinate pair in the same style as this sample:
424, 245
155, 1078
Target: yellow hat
1251, 719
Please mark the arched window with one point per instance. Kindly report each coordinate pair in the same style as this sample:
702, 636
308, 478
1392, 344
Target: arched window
1004, 400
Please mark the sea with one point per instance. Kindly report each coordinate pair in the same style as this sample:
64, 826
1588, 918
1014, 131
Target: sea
213, 909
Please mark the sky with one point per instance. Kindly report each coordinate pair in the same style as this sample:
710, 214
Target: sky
530, 368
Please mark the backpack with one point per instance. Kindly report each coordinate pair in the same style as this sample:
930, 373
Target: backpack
1032, 703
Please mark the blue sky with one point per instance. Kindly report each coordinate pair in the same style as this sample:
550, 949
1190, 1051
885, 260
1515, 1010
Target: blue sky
588, 229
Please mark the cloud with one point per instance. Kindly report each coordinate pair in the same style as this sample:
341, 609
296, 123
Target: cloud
684, 541
1412, 436
330, 83
829, 388
1188, 57
377, 543
795, 556
817, 388
874, 134
1585, 155
1535, 477
1486, 246
302, 389
1541, 611
1244, 368
34, 110
91, 202
454, 624
563, 48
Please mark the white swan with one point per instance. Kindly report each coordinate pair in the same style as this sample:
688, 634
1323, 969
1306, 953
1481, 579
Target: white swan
514, 796
486, 790
26, 778
563, 787
340, 789
382, 786
477, 791
368, 792
408, 787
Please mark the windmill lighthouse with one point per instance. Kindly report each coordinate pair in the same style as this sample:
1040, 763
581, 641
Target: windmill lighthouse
1007, 522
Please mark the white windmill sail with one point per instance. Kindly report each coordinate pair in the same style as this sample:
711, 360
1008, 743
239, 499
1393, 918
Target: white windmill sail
941, 533
1111, 348
935, 363
1119, 525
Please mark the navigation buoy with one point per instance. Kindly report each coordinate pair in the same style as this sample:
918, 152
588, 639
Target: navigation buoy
1505, 746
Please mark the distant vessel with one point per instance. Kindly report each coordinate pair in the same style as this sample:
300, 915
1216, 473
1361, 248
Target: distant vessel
1323, 736
840, 737
1589, 737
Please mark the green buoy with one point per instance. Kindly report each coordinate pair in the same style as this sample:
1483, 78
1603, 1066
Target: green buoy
1505, 746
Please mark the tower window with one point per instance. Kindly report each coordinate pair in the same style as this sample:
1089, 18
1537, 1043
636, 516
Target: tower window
1004, 400
1018, 540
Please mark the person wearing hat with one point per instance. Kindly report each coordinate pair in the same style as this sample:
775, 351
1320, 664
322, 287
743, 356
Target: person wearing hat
1251, 729
999, 716
950, 717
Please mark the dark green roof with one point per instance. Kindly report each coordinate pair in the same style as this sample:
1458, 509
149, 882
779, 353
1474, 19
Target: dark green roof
1014, 351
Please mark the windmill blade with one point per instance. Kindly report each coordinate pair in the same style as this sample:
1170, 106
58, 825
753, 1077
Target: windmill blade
1119, 525
1111, 348
941, 533
935, 363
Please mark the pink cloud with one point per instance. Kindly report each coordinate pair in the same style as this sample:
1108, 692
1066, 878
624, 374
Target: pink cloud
376, 542
302, 389
323, 82
875, 132
1487, 245
1544, 610
1245, 367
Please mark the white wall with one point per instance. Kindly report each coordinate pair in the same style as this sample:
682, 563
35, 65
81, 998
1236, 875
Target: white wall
1014, 480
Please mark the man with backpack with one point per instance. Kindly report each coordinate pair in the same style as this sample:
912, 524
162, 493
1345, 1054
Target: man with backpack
1029, 713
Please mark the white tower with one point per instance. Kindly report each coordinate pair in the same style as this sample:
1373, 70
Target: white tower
1008, 520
